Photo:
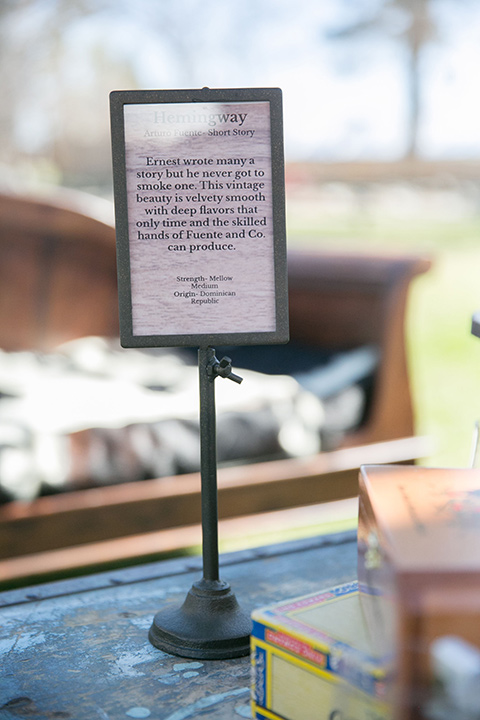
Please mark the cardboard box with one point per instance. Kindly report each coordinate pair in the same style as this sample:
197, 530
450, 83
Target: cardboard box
311, 660
419, 557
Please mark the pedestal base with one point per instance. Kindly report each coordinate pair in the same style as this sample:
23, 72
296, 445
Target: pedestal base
209, 625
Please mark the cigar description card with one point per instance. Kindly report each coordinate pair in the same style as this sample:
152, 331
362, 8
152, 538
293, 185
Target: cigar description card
200, 216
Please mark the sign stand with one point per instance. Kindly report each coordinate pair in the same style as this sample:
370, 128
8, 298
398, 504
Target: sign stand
201, 262
210, 624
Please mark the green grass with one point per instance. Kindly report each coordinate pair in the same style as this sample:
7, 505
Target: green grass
444, 357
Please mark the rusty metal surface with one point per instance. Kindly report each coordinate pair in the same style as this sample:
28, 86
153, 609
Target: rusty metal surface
78, 649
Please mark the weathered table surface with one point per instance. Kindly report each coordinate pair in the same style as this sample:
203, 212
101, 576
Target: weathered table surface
79, 649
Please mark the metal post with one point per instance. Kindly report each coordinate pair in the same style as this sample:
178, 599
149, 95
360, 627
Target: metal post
208, 463
210, 624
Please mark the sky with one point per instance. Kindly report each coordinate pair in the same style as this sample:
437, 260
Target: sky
363, 112
351, 102
342, 101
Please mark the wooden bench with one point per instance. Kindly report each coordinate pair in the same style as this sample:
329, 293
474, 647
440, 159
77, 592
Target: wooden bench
58, 283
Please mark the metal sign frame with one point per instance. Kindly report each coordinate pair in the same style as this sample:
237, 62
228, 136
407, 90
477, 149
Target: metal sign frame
210, 105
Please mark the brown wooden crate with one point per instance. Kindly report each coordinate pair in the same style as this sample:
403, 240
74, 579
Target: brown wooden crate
419, 546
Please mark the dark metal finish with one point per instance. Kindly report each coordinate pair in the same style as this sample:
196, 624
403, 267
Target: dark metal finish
118, 99
209, 367
208, 463
210, 624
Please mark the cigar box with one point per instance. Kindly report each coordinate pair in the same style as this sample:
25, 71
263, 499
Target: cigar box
311, 660
419, 559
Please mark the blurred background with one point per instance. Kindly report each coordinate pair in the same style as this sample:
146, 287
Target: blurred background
381, 123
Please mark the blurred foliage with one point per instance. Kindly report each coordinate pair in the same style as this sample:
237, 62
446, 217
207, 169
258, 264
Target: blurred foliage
444, 357
59, 59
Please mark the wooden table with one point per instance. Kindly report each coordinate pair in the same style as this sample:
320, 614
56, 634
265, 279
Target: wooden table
78, 648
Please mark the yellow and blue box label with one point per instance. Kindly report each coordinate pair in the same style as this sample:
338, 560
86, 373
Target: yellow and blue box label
312, 660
